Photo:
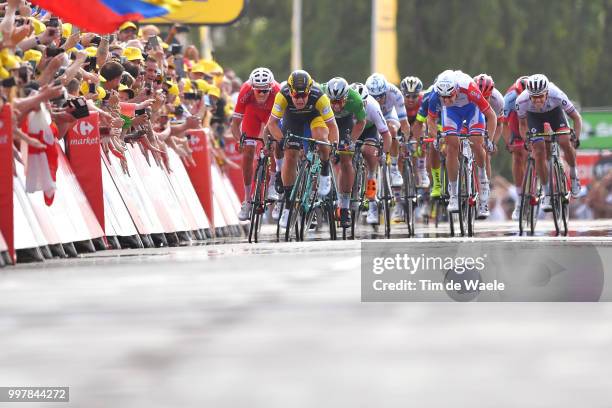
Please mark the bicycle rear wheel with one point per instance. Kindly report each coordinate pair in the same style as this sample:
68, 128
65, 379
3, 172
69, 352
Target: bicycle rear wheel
254, 218
386, 199
525, 205
555, 194
409, 197
463, 196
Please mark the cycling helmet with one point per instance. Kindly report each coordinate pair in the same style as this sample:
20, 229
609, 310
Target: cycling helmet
411, 85
261, 78
521, 83
299, 82
337, 88
537, 84
361, 89
485, 84
377, 85
446, 84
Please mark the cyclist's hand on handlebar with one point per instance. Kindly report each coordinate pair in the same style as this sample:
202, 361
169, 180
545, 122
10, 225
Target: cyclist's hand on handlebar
576, 143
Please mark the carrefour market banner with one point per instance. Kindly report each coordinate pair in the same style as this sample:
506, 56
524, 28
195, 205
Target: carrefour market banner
597, 130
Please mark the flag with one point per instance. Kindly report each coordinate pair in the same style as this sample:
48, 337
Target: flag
384, 39
105, 16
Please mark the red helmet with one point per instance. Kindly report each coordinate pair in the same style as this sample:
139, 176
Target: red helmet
521, 83
485, 84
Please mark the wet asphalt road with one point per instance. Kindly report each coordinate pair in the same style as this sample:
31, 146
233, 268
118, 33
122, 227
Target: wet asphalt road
282, 325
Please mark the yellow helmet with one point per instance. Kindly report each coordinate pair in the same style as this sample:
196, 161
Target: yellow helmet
300, 82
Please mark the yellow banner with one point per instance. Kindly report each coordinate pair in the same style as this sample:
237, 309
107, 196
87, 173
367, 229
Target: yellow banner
384, 39
204, 12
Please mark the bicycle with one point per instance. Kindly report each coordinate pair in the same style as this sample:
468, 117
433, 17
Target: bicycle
409, 190
531, 198
385, 194
558, 186
303, 198
260, 198
468, 188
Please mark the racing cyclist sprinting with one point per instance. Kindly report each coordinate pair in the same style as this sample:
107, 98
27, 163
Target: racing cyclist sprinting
300, 103
375, 128
412, 89
462, 101
351, 119
251, 114
543, 102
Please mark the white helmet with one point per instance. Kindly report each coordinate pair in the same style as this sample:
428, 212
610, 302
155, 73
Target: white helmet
446, 83
537, 84
337, 88
361, 89
411, 85
377, 85
261, 78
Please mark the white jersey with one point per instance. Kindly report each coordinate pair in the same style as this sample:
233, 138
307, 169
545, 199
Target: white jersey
394, 101
556, 97
374, 115
497, 103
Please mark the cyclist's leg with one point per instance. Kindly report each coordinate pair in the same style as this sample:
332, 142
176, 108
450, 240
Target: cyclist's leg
320, 132
451, 126
394, 125
291, 154
476, 129
535, 121
559, 123
372, 162
346, 175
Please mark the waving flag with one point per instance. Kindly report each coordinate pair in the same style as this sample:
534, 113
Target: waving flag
105, 16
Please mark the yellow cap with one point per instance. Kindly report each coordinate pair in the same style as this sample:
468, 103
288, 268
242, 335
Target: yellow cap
32, 55
99, 90
66, 30
124, 88
210, 67
165, 45
214, 91
173, 88
187, 85
133, 54
91, 51
38, 25
126, 25
202, 85
198, 68
9, 61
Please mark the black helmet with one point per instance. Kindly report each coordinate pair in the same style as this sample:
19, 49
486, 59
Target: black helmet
300, 82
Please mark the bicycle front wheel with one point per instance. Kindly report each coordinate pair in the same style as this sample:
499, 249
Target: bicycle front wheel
386, 199
463, 196
555, 194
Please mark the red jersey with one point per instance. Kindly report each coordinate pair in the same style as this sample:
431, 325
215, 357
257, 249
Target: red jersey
246, 97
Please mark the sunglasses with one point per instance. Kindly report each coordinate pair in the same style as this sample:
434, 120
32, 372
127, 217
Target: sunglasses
411, 96
338, 101
261, 91
299, 95
447, 97
538, 97
379, 97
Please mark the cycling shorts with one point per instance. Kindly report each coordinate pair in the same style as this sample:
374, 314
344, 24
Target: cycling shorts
453, 119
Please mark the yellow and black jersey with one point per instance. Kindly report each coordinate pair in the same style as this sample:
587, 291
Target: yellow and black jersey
317, 103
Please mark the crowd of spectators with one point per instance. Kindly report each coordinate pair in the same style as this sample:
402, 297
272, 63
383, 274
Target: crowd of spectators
147, 87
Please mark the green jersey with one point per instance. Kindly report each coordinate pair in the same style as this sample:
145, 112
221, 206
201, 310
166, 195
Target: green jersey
353, 106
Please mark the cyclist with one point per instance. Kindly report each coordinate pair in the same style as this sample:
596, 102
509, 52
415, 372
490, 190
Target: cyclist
250, 116
412, 89
301, 102
461, 102
486, 85
351, 119
543, 102
433, 155
514, 142
391, 103
376, 125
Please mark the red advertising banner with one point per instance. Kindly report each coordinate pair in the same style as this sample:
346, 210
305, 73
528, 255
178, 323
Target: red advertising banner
235, 174
6, 179
200, 173
83, 150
